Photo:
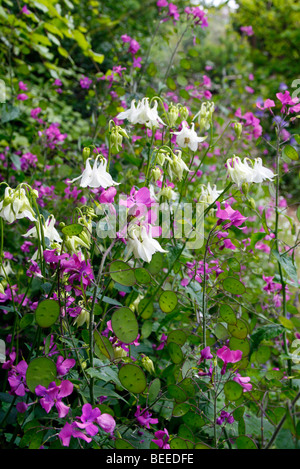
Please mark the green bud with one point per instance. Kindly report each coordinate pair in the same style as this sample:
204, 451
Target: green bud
238, 128
184, 113
86, 153
245, 188
173, 115
252, 203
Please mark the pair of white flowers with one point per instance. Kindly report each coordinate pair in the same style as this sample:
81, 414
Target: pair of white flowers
142, 113
248, 171
96, 176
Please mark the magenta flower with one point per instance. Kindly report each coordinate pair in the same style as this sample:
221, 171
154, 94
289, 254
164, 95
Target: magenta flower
85, 82
267, 104
137, 62
53, 395
70, 430
63, 366
87, 419
243, 381
205, 354
23, 86
22, 97
162, 3
25, 10
162, 438
286, 100
228, 356
107, 423
224, 416
17, 379
247, 30
234, 216
133, 47
144, 417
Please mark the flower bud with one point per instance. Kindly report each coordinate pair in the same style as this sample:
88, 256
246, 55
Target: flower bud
238, 128
147, 363
86, 153
156, 173
173, 114
184, 113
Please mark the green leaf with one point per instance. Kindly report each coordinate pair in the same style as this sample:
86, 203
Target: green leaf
267, 332
168, 301
244, 442
234, 286
122, 273
175, 352
41, 371
104, 345
47, 313
154, 390
125, 325
227, 314
288, 265
233, 390
171, 84
290, 152
133, 378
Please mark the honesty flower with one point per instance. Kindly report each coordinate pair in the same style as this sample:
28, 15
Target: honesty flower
142, 114
228, 356
97, 176
53, 395
16, 205
144, 417
188, 138
162, 438
141, 243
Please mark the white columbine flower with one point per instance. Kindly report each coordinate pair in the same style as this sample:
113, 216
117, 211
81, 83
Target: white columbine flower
16, 205
141, 243
209, 194
142, 114
49, 229
241, 172
188, 138
96, 176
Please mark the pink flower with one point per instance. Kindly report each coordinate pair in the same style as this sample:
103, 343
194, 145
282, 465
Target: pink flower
63, 365
162, 3
133, 47
205, 354
144, 417
53, 395
267, 104
162, 438
244, 382
228, 356
286, 100
22, 97
22, 86
173, 11
25, 10
247, 30
85, 82
234, 216
137, 62
70, 430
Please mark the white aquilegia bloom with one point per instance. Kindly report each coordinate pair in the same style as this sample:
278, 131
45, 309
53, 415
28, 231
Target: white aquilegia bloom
15, 205
142, 113
247, 171
141, 243
188, 138
260, 172
97, 176
176, 165
209, 194
49, 230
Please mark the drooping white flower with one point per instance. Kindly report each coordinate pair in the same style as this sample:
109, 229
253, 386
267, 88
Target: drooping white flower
239, 172
260, 172
97, 176
188, 138
15, 205
6, 269
141, 243
49, 230
248, 171
142, 113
